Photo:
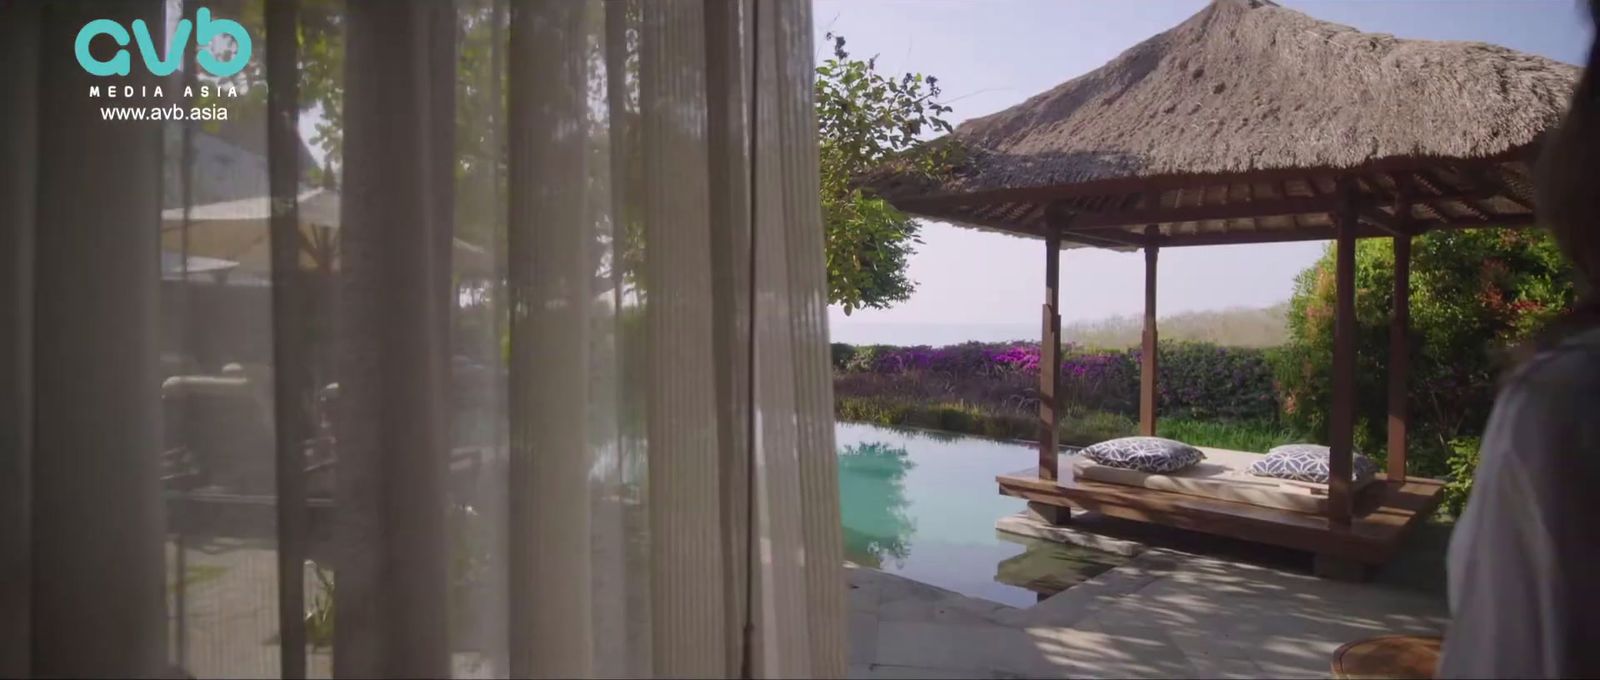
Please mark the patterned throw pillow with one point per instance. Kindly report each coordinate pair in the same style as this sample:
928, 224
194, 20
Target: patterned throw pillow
1145, 454
1308, 463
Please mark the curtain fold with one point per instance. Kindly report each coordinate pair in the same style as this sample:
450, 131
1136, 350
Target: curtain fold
808, 363
779, 455
291, 339
564, 412
727, 141
686, 568
392, 562
550, 299
621, 522
19, 121
97, 518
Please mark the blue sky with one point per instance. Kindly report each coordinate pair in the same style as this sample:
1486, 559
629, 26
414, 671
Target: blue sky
992, 54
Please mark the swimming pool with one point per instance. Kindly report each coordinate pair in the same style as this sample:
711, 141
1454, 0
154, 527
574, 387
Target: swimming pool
923, 504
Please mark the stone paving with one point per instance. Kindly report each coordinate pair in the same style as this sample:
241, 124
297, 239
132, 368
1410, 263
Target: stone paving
1167, 613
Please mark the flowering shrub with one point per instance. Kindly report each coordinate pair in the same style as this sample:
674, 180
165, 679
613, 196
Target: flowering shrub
1196, 379
1017, 357
903, 359
1104, 380
1200, 380
971, 358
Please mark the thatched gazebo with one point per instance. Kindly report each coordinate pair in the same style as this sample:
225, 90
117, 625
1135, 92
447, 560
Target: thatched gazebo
1252, 123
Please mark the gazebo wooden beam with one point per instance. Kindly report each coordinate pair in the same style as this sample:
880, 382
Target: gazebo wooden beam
1103, 240
1472, 194
1477, 212
1122, 226
1224, 238
1035, 229
1502, 221
1063, 219
1124, 185
1382, 220
1199, 213
1127, 220
1123, 237
1480, 177
1422, 187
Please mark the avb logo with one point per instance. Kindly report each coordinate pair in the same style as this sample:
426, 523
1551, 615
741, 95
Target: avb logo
205, 29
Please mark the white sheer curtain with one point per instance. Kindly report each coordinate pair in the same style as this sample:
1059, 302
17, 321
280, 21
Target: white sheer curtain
521, 372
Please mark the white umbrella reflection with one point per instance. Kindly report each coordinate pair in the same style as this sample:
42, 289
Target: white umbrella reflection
173, 267
237, 232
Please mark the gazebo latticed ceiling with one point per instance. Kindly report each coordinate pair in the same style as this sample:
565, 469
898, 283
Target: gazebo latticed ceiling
1262, 207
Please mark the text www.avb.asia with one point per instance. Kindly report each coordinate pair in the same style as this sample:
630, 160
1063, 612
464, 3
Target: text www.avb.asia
163, 113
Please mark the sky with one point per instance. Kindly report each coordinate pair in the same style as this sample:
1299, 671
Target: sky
992, 54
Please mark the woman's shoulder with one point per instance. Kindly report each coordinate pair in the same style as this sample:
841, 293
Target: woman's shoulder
1547, 417
1568, 368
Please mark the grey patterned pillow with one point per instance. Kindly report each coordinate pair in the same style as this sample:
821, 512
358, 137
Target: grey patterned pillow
1308, 463
1145, 454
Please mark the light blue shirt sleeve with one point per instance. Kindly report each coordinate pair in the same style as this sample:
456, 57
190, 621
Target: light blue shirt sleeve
1522, 560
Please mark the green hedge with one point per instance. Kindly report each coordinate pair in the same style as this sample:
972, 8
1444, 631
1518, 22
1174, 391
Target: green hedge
1475, 295
1077, 427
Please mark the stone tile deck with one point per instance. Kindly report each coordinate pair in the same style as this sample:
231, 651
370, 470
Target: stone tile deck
1164, 614
1167, 613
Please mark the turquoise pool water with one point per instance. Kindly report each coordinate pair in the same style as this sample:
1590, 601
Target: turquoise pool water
923, 504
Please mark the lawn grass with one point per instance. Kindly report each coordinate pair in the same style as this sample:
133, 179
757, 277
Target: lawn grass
1255, 436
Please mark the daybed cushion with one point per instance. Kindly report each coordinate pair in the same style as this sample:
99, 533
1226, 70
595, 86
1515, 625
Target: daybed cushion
1223, 475
1145, 454
1308, 463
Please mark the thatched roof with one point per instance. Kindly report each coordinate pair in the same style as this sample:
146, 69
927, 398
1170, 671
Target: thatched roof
1241, 121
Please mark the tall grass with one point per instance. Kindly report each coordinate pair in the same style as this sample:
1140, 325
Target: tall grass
1237, 327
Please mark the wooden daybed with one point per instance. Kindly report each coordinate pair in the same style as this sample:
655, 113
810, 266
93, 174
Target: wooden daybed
1382, 512
1223, 475
1253, 123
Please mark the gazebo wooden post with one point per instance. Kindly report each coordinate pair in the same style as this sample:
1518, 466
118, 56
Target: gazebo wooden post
1341, 424
1400, 345
1049, 379
1147, 351
1050, 358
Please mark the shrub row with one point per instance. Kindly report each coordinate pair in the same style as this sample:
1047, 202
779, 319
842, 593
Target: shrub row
1078, 427
1196, 380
